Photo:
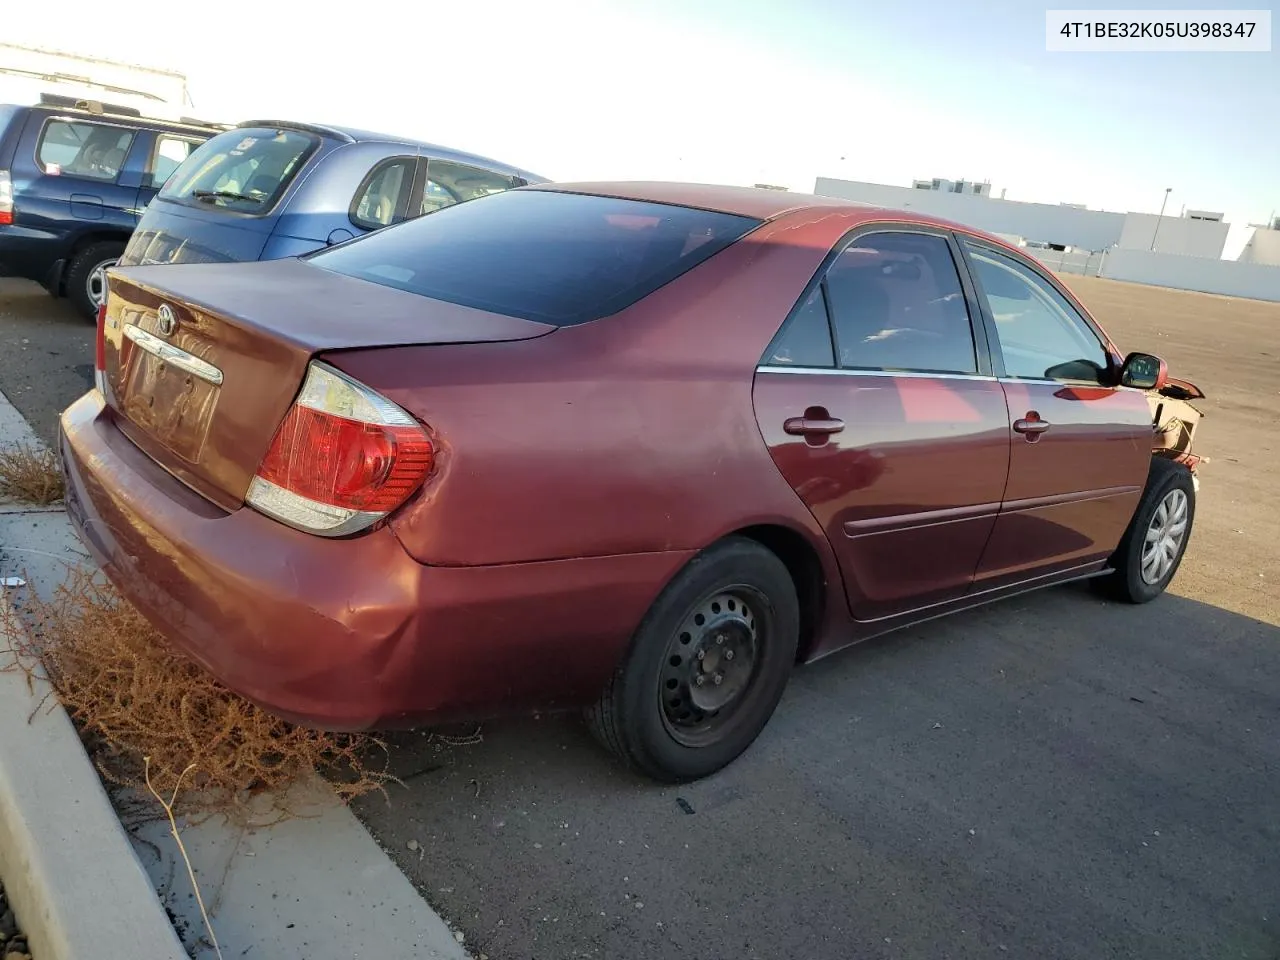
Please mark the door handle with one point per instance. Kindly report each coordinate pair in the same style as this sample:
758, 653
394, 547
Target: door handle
1031, 425
813, 423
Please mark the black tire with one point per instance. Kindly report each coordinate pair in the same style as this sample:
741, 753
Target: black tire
81, 271
1127, 582
748, 603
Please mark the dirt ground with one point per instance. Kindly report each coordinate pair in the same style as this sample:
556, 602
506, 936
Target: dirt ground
1229, 348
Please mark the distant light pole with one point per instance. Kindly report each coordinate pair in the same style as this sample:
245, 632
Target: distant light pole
1156, 231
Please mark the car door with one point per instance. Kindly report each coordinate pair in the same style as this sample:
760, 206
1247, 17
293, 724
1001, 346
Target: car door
1080, 445
880, 408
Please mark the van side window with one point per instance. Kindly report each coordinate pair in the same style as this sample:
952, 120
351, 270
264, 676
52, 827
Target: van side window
449, 183
167, 156
90, 150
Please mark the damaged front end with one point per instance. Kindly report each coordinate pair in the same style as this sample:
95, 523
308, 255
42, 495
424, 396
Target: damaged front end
1174, 421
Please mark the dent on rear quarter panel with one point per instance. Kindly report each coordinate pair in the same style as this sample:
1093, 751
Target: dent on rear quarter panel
635, 433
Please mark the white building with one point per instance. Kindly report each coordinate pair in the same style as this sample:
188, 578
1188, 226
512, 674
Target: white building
1060, 225
27, 72
1264, 246
1188, 235
954, 186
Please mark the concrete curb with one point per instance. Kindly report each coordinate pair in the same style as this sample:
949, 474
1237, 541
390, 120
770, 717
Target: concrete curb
70, 870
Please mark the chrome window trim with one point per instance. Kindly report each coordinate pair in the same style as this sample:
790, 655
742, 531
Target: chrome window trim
848, 372
168, 353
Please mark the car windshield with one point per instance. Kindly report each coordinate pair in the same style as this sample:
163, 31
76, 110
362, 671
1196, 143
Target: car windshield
558, 258
243, 170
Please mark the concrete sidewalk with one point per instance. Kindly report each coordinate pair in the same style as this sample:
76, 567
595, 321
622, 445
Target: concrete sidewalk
315, 887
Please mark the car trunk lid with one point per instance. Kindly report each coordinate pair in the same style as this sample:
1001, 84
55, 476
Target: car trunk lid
202, 362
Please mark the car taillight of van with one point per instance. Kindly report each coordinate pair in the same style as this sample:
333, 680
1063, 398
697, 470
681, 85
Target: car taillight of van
100, 351
6, 198
342, 458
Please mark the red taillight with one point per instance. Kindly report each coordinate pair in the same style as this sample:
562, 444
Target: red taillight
100, 351
342, 458
346, 463
6, 198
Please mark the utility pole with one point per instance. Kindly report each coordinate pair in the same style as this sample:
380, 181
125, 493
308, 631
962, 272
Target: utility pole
1156, 231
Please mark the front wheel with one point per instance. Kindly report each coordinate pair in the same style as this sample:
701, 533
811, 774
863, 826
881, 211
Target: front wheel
1153, 545
707, 666
87, 276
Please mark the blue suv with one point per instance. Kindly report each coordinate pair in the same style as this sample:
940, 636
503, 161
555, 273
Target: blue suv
74, 177
267, 189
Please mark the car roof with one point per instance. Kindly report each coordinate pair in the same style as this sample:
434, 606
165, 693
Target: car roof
111, 116
355, 135
757, 202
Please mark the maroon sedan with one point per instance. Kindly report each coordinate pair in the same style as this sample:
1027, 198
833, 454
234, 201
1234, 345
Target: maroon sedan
633, 447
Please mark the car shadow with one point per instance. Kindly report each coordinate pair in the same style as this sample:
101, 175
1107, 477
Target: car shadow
1054, 775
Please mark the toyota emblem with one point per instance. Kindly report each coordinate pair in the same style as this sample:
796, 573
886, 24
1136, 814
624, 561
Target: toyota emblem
166, 320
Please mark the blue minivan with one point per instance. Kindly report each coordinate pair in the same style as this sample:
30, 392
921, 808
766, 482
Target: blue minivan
74, 177
267, 189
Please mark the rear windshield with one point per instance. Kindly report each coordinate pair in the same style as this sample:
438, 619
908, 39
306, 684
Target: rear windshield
558, 258
243, 170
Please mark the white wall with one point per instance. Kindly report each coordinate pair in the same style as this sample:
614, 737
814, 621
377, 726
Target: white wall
1263, 247
1180, 235
1229, 277
1049, 223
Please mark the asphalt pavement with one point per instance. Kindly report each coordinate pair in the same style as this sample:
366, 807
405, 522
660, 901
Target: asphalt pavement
1051, 777
46, 354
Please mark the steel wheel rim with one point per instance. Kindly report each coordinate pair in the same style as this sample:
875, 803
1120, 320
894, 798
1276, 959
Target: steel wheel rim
96, 283
1165, 537
722, 637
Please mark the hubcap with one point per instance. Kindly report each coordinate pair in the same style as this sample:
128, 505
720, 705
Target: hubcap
1166, 535
709, 665
96, 284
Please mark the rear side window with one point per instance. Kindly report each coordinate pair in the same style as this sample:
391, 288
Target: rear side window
381, 198
243, 170
93, 151
897, 304
557, 258
449, 183
805, 339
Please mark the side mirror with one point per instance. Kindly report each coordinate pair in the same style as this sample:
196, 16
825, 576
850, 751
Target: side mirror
1144, 372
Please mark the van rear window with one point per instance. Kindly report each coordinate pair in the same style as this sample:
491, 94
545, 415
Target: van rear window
243, 170
558, 258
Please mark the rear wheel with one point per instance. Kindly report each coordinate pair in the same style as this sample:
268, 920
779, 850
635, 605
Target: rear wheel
707, 666
86, 279
1157, 537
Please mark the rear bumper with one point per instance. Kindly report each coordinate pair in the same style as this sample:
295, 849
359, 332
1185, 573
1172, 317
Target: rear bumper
345, 634
29, 253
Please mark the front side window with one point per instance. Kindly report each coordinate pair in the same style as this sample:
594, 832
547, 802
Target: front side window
1042, 337
897, 305
243, 170
557, 258
449, 183
90, 150
380, 200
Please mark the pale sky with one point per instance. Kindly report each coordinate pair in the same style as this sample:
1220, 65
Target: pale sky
743, 92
